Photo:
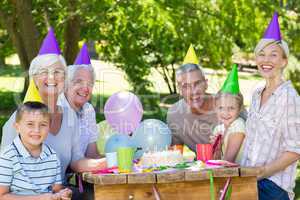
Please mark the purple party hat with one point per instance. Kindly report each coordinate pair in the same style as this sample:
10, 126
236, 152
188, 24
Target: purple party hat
49, 45
273, 30
83, 57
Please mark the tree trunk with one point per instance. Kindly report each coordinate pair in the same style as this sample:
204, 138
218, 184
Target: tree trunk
27, 28
10, 24
92, 49
2, 61
22, 31
173, 78
166, 78
72, 33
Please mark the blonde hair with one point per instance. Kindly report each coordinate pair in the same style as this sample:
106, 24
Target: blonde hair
263, 43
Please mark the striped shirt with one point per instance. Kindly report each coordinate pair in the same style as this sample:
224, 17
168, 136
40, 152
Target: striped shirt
26, 175
272, 129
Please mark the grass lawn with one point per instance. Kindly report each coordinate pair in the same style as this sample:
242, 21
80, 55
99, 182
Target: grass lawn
110, 80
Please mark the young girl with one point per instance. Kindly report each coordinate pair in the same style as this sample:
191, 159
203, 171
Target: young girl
229, 104
231, 127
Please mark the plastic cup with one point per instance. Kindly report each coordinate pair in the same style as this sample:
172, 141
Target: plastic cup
125, 159
111, 159
204, 152
177, 147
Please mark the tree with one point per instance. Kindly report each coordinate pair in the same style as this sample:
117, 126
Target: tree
24, 20
140, 36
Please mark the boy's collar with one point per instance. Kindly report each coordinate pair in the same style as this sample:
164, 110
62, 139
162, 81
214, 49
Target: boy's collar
21, 148
24, 152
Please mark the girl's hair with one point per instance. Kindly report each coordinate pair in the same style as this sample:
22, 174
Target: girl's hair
239, 97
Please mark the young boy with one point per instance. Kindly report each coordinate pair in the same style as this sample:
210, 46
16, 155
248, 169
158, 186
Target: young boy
30, 169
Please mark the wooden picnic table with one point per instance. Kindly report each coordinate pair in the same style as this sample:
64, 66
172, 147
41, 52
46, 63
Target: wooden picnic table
179, 185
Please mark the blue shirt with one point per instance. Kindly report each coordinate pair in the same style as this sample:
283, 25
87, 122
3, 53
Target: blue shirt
27, 175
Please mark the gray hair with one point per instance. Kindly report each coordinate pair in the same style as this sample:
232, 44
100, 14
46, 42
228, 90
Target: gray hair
43, 61
188, 67
72, 69
266, 42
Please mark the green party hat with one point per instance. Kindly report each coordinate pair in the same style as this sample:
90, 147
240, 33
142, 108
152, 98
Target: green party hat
231, 84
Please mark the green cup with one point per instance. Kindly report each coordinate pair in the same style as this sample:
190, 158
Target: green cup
125, 159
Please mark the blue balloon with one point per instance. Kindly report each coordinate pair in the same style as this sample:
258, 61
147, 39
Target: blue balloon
117, 140
151, 135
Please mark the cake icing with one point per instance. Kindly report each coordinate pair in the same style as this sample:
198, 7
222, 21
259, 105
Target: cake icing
161, 158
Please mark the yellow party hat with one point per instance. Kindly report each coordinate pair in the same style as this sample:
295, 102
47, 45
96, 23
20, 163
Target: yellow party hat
191, 56
32, 93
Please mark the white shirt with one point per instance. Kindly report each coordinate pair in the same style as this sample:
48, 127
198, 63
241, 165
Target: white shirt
87, 123
272, 129
236, 127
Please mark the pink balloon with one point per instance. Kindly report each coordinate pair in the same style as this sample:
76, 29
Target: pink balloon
123, 111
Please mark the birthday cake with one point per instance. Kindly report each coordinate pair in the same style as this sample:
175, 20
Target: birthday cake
161, 158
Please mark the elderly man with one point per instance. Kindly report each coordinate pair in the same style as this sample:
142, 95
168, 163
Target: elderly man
192, 118
79, 86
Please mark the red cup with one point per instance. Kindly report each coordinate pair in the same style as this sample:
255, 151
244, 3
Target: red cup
204, 152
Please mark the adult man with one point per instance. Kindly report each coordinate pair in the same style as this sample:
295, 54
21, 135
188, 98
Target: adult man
192, 118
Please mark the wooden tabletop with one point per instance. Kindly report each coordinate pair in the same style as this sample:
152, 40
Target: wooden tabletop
165, 177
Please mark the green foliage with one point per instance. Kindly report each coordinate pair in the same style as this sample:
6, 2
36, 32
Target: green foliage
11, 71
6, 47
8, 101
142, 35
294, 75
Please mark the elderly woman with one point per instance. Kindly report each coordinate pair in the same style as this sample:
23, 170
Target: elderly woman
79, 86
48, 72
273, 124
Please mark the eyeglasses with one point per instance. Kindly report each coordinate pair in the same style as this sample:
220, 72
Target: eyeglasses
58, 73
82, 83
189, 86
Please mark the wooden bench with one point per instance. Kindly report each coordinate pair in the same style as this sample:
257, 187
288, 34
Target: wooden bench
183, 184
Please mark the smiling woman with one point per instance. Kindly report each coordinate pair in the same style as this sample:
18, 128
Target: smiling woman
48, 73
273, 124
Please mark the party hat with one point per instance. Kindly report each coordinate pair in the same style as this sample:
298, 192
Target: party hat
273, 30
191, 56
83, 57
32, 93
231, 84
50, 45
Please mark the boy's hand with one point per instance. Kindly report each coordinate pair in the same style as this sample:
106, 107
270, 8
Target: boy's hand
65, 194
51, 196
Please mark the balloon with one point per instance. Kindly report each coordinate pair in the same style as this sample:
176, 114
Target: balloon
151, 135
123, 111
116, 141
105, 131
